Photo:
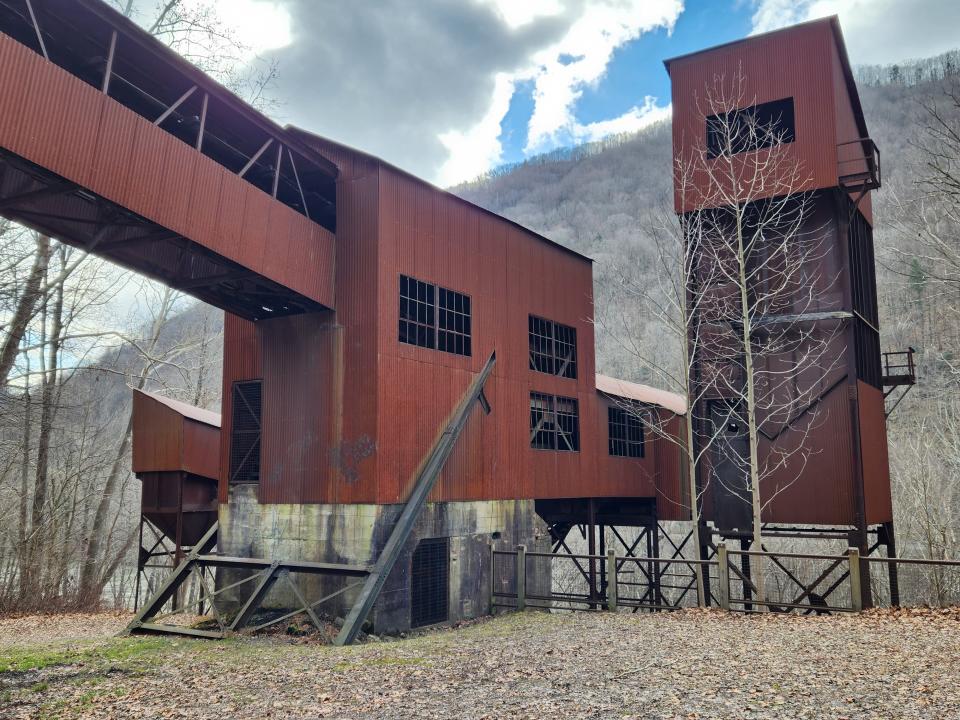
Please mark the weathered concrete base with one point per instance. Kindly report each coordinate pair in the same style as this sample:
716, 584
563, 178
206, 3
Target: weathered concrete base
355, 534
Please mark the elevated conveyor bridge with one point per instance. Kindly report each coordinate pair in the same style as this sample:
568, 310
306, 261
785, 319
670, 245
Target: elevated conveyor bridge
112, 143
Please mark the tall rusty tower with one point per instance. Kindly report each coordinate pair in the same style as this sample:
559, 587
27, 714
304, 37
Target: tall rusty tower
786, 104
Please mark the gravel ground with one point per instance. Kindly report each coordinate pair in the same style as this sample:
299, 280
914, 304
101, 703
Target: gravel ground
692, 664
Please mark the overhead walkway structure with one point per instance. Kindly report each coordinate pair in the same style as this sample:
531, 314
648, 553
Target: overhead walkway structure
113, 143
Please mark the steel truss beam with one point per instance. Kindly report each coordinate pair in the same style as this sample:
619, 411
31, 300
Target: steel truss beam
265, 572
808, 591
654, 567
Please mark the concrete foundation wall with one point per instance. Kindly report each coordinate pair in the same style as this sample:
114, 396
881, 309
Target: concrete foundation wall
355, 534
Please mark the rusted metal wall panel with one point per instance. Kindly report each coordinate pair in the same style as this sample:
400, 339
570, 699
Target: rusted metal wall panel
629, 476
348, 357
201, 449
157, 436
875, 460
794, 63
670, 467
849, 157
508, 274
816, 485
297, 409
165, 440
99, 144
355, 477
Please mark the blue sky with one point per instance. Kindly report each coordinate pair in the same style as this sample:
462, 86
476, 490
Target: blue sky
635, 71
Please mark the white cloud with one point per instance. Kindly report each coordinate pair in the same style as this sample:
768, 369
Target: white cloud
261, 25
580, 59
426, 85
560, 73
517, 13
637, 118
876, 31
476, 150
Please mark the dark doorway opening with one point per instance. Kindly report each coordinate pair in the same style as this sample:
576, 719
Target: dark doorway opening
731, 467
429, 582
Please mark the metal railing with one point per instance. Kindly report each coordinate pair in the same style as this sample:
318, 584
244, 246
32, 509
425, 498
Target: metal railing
899, 364
794, 582
858, 164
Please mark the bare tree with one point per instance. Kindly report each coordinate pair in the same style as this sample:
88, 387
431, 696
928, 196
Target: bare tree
762, 335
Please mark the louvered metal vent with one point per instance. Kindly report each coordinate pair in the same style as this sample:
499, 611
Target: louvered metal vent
429, 582
245, 432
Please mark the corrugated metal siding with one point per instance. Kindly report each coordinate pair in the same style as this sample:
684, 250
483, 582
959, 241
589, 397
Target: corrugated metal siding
348, 402
201, 449
164, 440
672, 485
875, 460
816, 485
96, 142
847, 130
508, 274
629, 477
157, 436
297, 408
795, 63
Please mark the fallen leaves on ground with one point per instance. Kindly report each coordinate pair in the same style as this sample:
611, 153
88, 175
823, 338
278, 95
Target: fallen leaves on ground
691, 664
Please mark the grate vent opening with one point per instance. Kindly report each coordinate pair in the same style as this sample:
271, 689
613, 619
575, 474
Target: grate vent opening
429, 582
245, 432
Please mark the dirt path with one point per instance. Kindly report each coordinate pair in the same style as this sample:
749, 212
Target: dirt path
684, 665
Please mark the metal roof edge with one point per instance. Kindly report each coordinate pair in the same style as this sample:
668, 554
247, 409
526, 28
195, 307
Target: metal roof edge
406, 173
191, 412
149, 43
749, 38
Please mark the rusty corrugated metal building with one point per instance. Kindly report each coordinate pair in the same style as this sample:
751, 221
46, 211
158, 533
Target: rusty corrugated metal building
360, 304
822, 434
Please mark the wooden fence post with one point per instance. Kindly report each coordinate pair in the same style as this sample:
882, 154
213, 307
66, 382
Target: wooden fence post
856, 590
521, 577
612, 580
723, 576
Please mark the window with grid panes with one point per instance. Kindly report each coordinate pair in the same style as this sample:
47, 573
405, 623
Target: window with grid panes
625, 430
417, 312
553, 347
554, 423
453, 326
434, 317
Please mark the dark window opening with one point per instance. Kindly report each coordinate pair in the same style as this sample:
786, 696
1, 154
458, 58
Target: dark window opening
626, 432
553, 347
751, 128
453, 326
434, 317
429, 582
863, 289
417, 312
554, 423
245, 432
